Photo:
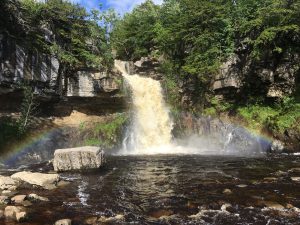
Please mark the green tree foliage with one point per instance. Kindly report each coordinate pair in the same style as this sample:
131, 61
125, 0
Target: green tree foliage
195, 37
270, 28
77, 38
133, 36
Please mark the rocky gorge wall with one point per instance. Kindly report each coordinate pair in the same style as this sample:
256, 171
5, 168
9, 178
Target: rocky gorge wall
269, 79
88, 90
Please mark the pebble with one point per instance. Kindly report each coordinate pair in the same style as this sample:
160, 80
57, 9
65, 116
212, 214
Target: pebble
38, 198
296, 179
63, 222
242, 185
227, 191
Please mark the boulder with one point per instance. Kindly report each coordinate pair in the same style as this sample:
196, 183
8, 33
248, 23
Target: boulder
78, 158
17, 213
46, 181
7, 183
63, 222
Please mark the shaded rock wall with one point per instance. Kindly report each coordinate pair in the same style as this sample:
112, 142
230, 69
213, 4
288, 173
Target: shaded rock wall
269, 79
88, 90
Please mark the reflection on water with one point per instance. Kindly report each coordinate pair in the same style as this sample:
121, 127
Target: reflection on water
179, 190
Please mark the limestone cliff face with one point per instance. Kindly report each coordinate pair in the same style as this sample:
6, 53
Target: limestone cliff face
101, 89
267, 79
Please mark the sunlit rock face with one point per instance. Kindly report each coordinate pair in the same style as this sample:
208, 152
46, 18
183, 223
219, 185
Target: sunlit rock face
91, 84
87, 90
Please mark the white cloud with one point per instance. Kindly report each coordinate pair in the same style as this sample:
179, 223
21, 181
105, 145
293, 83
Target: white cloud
123, 6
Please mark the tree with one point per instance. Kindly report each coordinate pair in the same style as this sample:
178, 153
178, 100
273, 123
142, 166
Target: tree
134, 35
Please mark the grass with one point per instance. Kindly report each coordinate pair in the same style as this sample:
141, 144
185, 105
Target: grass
92, 142
106, 134
279, 117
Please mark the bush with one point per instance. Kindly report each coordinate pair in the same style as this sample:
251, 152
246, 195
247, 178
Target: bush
279, 117
106, 134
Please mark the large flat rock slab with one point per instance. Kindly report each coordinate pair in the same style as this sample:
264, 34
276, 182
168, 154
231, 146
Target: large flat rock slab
82, 158
47, 181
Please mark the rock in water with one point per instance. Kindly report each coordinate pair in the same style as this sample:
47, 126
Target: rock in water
63, 222
78, 158
15, 213
7, 183
47, 181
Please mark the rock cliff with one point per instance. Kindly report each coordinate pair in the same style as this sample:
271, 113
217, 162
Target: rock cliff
89, 90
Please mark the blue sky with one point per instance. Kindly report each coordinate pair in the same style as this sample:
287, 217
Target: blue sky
121, 6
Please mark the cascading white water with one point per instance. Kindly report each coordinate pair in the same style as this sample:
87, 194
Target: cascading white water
150, 131
151, 128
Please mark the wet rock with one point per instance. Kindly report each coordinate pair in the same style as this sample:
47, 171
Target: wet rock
7, 183
296, 179
273, 205
4, 200
18, 199
63, 183
78, 158
47, 181
17, 213
63, 222
277, 146
119, 217
36, 197
227, 191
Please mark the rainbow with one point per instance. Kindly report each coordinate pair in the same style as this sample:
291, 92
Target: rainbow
17, 150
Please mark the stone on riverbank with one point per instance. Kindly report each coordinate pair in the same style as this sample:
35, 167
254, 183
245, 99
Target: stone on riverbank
78, 158
7, 183
17, 213
46, 181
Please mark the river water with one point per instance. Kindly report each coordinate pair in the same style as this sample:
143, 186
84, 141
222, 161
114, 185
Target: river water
176, 189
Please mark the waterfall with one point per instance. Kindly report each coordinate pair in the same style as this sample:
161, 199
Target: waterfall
151, 127
150, 131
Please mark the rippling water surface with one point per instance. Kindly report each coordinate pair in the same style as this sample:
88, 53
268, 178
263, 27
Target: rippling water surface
179, 190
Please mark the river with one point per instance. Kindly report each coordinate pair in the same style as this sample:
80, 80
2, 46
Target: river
177, 189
